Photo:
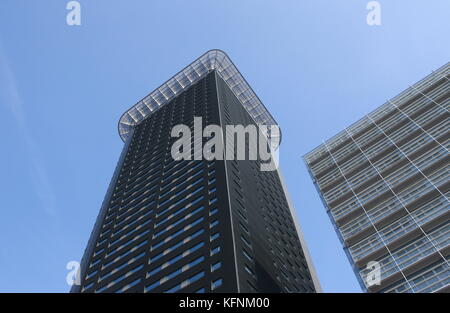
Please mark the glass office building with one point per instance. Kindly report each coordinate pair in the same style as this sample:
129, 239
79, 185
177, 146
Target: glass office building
384, 182
194, 225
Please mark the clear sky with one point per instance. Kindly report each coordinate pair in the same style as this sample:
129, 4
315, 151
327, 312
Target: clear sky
317, 65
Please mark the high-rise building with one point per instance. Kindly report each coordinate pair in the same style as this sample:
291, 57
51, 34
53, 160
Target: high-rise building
384, 182
194, 225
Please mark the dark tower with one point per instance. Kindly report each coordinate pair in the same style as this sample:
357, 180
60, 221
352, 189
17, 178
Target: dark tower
194, 225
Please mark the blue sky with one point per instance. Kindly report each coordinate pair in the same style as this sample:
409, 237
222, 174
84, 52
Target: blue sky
315, 64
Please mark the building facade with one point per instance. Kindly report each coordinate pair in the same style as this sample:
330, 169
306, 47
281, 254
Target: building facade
194, 225
385, 184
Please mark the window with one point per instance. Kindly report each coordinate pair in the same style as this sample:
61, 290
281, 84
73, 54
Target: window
216, 284
252, 288
178, 244
96, 262
216, 266
213, 200
88, 286
214, 223
247, 255
98, 252
120, 278
111, 272
187, 282
215, 250
243, 227
215, 236
153, 286
194, 278
198, 199
91, 274
248, 270
127, 243
102, 242
246, 241
179, 201
182, 230
132, 284
174, 274
125, 253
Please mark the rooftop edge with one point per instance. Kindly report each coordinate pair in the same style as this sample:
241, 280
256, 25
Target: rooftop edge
212, 60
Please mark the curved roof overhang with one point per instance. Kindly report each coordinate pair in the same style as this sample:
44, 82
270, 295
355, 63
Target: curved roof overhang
213, 60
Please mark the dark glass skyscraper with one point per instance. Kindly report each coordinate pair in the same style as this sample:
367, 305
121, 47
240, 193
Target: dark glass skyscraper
194, 225
385, 183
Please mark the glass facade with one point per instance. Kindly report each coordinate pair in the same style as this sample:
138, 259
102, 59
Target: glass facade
385, 183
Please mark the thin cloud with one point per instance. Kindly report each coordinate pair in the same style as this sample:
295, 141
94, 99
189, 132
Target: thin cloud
10, 98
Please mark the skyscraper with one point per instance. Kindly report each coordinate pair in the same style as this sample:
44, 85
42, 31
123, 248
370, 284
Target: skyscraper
385, 184
194, 225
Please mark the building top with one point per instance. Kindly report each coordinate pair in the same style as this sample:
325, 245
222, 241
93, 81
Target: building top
213, 60
361, 124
